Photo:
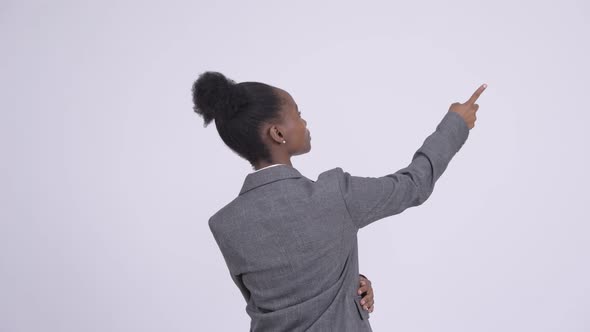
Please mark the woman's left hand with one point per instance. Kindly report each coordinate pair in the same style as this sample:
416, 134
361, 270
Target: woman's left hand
366, 290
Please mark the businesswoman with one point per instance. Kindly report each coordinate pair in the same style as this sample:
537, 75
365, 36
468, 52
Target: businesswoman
290, 243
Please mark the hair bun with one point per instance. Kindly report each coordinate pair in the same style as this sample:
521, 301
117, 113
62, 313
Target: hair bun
216, 96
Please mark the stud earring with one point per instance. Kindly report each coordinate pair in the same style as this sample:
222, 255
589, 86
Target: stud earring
284, 141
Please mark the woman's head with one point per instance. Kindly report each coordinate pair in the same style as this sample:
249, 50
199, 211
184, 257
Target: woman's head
259, 122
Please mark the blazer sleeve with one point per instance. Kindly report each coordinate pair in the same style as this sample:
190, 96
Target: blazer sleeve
238, 281
228, 257
368, 199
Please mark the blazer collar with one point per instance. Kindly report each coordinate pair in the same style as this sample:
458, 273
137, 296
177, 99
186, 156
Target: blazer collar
271, 174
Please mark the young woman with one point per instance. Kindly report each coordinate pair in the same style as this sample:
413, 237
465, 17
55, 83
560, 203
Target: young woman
290, 243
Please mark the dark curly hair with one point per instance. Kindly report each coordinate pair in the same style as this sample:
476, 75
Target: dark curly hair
239, 110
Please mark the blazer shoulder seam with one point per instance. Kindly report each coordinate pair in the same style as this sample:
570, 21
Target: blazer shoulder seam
341, 173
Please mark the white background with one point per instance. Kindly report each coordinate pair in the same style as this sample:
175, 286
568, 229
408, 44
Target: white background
108, 177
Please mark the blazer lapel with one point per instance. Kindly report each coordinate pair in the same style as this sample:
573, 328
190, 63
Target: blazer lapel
271, 174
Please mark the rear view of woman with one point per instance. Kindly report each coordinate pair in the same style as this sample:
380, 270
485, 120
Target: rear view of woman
290, 243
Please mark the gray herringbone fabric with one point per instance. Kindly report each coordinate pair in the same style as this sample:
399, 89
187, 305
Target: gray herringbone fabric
290, 243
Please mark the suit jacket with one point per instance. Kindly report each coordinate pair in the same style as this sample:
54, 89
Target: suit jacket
290, 243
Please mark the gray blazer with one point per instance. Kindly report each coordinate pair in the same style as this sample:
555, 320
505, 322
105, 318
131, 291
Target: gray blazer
290, 243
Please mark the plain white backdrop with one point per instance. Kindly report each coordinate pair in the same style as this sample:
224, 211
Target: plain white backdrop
108, 177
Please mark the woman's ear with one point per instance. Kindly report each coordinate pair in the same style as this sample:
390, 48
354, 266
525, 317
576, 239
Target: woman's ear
276, 134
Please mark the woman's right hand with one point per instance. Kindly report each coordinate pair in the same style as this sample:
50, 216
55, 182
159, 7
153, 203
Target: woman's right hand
467, 109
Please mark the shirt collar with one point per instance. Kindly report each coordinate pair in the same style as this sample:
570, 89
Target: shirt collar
267, 175
267, 167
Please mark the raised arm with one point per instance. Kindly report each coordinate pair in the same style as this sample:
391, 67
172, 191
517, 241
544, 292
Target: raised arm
372, 198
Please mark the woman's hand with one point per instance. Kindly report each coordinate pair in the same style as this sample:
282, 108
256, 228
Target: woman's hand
468, 109
366, 290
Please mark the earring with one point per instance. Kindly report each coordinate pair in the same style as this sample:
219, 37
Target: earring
284, 141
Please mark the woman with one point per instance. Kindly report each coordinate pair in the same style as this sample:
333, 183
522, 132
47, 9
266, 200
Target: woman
290, 243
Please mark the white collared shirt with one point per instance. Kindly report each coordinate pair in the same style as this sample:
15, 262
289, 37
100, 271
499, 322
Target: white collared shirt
267, 167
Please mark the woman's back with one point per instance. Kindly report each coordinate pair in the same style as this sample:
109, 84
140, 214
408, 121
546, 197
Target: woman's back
291, 248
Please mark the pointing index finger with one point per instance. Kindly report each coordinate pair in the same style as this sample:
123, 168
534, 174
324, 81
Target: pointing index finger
476, 94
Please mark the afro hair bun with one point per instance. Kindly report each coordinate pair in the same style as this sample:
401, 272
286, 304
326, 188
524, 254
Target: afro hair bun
216, 97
